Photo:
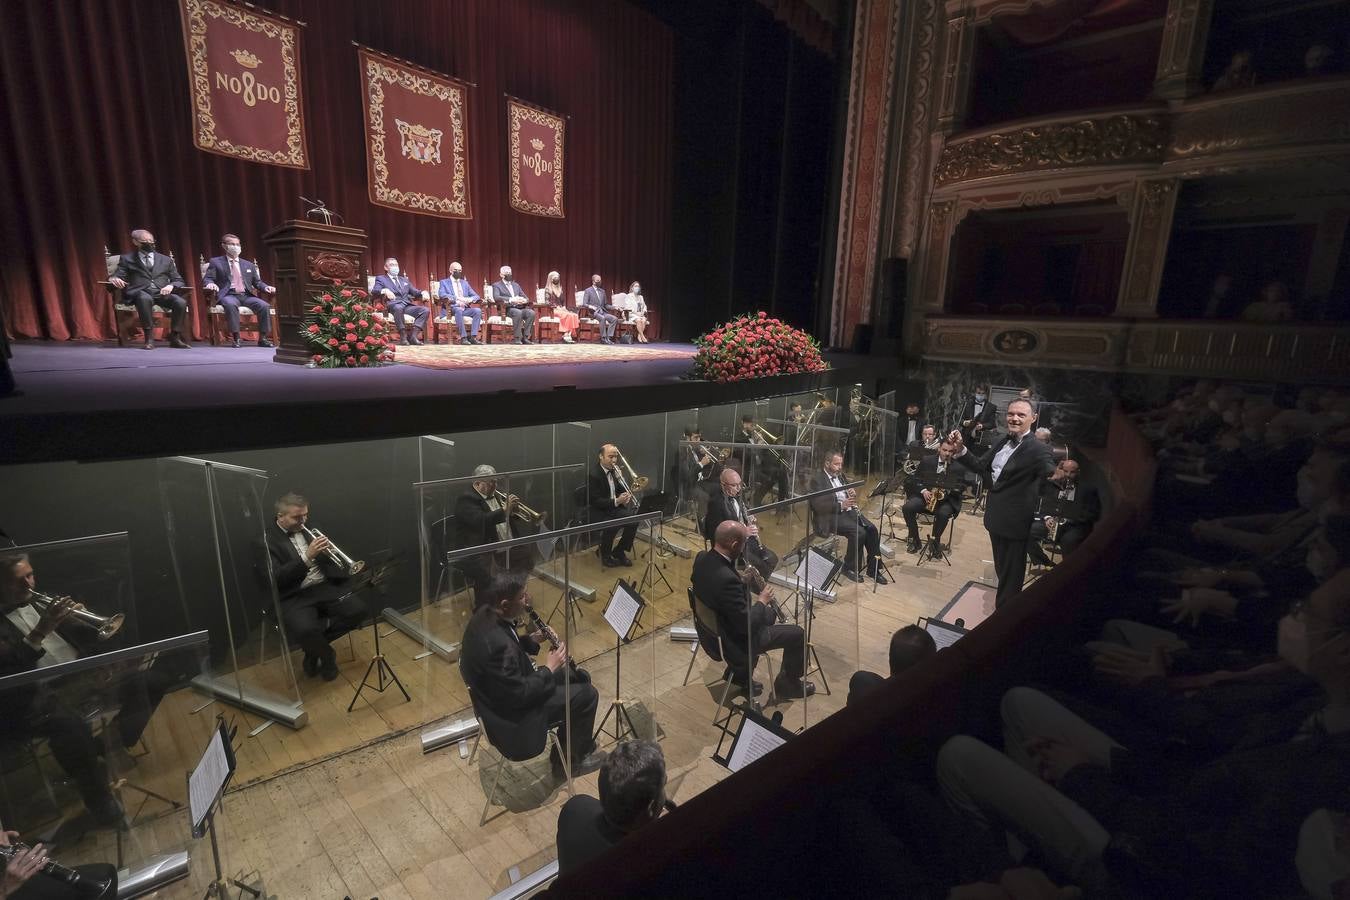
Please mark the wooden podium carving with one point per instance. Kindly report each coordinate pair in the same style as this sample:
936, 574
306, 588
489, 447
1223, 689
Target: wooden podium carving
307, 257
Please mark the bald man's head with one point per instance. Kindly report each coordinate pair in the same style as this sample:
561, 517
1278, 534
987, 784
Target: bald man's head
730, 537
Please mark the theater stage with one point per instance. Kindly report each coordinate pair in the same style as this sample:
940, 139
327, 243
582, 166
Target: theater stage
95, 401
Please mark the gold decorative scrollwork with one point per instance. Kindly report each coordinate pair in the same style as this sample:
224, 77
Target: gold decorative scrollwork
517, 113
1116, 140
332, 267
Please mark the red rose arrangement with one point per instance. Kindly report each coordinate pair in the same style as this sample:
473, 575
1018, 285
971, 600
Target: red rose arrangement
344, 329
755, 346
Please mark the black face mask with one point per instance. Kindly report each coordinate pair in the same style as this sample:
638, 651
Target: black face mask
147, 246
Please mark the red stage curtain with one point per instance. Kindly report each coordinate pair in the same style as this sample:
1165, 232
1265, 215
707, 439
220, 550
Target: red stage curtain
98, 140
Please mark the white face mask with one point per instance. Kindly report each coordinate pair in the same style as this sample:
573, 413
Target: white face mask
979, 398
393, 271
1321, 859
232, 250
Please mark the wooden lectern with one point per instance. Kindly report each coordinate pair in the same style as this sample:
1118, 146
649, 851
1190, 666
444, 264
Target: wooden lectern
307, 257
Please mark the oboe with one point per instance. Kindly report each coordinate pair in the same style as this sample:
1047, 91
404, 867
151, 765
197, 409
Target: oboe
59, 872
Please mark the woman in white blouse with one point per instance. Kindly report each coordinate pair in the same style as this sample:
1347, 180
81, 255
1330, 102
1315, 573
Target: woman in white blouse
638, 306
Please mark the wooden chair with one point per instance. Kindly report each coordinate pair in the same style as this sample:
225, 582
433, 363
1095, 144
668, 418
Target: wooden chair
545, 322
386, 316
125, 318
551, 741
588, 329
248, 319
443, 322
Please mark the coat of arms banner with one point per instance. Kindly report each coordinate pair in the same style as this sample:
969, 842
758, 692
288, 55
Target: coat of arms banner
535, 159
416, 149
244, 77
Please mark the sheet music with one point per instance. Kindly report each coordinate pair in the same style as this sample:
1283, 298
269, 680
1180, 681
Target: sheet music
622, 610
943, 635
751, 743
814, 569
207, 779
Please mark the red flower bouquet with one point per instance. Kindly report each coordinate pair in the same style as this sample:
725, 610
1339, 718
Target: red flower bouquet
753, 346
336, 323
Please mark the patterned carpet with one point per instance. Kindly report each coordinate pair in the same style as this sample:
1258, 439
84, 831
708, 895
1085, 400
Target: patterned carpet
453, 356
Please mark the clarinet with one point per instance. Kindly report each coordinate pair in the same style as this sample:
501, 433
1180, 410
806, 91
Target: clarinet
56, 870
552, 637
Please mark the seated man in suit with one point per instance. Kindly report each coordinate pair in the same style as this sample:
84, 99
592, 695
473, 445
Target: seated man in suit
316, 606
518, 307
1080, 500
237, 282
518, 701
726, 505
400, 297
926, 445
718, 585
612, 498
838, 514
148, 279
459, 293
764, 468
632, 794
910, 645
697, 467
595, 301
931, 470
481, 517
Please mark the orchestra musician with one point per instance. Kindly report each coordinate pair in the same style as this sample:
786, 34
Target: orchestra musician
764, 469
1081, 501
726, 504
400, 298
840, 515
637, 305
518, 701
317, 606
978, 418
237, 282
458, 292
24, 879
595, 300
932, 469
519, 308
482, 517
911, 426
612, 497
697, 467
928, 442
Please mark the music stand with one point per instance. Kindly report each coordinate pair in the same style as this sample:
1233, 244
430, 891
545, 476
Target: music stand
622, 613
755, 736
206, 785
374, 576
950, 480
651, 574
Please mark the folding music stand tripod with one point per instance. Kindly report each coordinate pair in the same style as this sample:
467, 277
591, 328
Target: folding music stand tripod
624, 603
384, 673
949, 480
651, 573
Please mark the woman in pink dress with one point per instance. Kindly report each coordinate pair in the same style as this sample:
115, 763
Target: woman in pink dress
567, 320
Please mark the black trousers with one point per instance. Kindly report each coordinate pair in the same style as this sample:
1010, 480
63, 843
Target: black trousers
145, 302
1010, 565
859, 532
944, 512
608, 548
1068, 538
765, 474
260, 307
792, 641
319, 615
71, 742
583, 698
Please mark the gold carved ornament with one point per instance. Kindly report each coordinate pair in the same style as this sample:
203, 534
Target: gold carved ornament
1111, 141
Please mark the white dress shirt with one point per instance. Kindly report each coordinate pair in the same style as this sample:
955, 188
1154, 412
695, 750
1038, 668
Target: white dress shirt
314, 575
1002, 456
56, 649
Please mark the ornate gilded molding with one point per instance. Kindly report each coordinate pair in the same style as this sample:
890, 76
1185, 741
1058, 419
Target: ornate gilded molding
915, 159
1297, 114
1111, 141
1150, 225
1182, 53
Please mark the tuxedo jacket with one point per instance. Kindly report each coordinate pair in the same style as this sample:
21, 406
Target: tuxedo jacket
218, 273
509, 693
162, 272
927, 474
1087, 502
501, 292
401, 285
827, 507
474, 523
918, 428
988, 417
601, 504
718, 585
719, 510
1015, 498
17, 656
446, 289
583, 832
289, 569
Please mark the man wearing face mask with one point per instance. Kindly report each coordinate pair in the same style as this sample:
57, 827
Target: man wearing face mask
459, 293
595, 301
237, 282
978, 418
148, 279
518, 307
400, 296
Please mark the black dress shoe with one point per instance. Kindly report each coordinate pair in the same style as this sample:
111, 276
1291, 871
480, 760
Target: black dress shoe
475, 341
912, 545
610, 562
311, 666
177, 342
879, 576
328, 668
852, 575
264, 342
235, 342
793, 688
107, 812
622, 559
591, 762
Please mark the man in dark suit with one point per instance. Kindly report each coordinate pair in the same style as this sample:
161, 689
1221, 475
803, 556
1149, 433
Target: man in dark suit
316, 605
459, 293
632, 794
763, 468
483, 518
726, 504
611, 498
400, 296
518, 307
910, 645
932, 469
148, 279
237, 282
978, 418
696, 467
1015, 469
838, 514
518, 702
911, 424
717, 584
595, 300
1080, 501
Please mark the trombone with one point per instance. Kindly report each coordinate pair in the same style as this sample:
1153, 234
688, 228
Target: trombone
634, 481
523, 512
767, 439
106, 626
334, 552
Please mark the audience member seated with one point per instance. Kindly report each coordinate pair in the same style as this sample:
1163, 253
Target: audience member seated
910, 645
1239, 73
632, 794
1272, 306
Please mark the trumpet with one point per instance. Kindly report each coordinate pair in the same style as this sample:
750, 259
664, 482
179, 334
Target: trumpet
106, 626
334, 552
523, 512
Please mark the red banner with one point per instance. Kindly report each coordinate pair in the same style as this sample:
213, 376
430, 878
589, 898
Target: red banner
536, 159
244, 74
416, 155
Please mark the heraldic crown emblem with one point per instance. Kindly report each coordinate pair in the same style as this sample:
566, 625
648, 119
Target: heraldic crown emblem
246, 59
536, 143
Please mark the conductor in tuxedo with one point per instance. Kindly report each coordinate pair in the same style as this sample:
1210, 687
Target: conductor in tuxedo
316, 604
596, 300
236, 282
148, 279
401, 296
1014, 469
518, 702
612, 499
717, 584
1082, 503
932, 469
978, 418
459, 293
519, 308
